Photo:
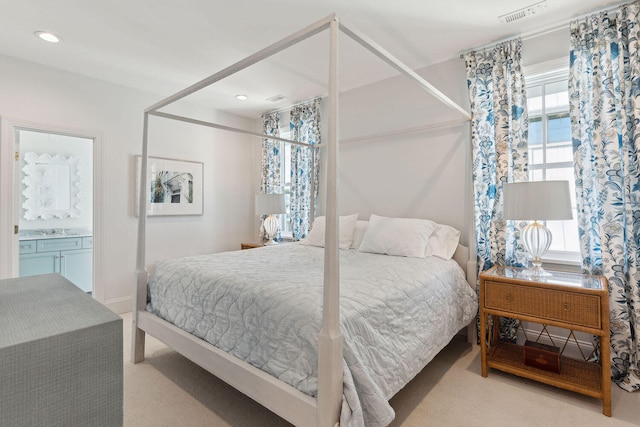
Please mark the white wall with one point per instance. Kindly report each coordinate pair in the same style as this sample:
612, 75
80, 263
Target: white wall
403, 153
546, 47
61, 100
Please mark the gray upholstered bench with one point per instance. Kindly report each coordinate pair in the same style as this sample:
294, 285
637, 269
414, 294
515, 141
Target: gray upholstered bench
60, 355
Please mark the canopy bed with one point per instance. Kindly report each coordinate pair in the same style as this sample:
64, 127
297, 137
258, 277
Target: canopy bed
324, 397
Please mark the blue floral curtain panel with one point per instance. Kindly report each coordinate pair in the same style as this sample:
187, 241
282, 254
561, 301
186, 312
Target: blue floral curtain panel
305, 127
499, 127
604, 85
270, 181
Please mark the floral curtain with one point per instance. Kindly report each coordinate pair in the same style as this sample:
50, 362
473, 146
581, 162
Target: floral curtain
270, 181
305, 127
604, 83
499, 130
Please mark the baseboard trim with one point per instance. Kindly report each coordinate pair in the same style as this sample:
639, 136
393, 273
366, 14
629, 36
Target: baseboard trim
120, 305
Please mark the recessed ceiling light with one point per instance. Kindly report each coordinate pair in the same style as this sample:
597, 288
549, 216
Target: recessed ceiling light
242, 97
48, 37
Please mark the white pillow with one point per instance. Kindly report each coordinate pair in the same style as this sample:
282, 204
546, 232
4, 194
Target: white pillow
346, 224
397, 236
358, 233
443, 242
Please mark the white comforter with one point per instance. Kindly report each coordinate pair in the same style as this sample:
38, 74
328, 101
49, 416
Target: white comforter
265, 306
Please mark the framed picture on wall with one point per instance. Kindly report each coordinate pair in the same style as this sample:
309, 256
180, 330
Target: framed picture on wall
174, 187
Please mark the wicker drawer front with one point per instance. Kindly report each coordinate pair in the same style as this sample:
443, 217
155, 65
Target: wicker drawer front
547, 304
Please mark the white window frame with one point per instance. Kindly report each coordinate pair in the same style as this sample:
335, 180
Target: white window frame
285, 179
547, 73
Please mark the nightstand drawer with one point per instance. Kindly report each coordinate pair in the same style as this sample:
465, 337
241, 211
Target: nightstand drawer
546, 304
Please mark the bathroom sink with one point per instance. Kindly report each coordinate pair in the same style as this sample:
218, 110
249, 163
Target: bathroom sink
55, 232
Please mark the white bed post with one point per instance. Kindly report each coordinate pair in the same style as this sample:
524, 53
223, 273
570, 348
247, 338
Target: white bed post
140, 295
330, 371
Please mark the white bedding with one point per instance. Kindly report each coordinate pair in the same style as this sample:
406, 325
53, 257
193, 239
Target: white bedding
264, 306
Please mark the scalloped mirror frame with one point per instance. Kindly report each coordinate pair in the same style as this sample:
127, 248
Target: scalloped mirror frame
52, 186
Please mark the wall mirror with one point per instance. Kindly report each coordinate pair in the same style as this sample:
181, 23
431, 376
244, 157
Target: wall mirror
51, 186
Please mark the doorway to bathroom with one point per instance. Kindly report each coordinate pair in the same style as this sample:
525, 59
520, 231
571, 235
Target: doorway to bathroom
54, 194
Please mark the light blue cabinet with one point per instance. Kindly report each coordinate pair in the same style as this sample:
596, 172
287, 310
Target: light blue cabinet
76, 266
34, 264
72, 257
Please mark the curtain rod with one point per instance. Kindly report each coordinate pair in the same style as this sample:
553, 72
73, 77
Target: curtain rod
545, 30
288, 108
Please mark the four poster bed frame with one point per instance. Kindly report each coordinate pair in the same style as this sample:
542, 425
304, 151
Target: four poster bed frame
281, 398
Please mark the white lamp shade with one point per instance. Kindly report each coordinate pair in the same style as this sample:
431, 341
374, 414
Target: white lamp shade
537, 201
268, 204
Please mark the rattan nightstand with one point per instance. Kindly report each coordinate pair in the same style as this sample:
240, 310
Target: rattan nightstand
571, 301
250, 245
261, 244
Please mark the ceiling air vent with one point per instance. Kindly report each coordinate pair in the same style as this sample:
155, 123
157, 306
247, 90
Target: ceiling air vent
524, 12
276, 98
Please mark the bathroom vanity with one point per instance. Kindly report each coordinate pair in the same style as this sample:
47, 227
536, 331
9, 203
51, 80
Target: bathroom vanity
68, 251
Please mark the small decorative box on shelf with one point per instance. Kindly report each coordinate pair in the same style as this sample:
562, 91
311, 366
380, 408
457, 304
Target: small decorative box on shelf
575, 302
542, 356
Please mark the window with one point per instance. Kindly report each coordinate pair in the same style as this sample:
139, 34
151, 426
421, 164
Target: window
551, 152
285, 179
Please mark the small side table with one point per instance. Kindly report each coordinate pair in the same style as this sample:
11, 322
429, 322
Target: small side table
250, 245
571, 301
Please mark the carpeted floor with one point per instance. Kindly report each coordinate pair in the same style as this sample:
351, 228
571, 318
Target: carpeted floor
168, 390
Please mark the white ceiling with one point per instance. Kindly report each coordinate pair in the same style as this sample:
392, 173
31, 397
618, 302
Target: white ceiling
162, 46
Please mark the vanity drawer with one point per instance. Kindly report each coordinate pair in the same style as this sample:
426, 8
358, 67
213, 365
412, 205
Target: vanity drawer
87, 242
49, 245
28, 246
545, 304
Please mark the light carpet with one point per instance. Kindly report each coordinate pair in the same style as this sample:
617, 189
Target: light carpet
169, 390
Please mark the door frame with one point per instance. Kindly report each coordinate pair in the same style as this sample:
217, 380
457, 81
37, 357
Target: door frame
10, 198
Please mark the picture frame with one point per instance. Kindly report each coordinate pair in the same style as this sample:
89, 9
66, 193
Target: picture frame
174, 187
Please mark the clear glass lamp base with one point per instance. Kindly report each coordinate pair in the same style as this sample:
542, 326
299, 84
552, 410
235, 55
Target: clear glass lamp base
536, 239
535, 271
271, 229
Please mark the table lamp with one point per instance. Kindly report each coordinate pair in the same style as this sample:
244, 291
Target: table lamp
270, 204
537, 201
